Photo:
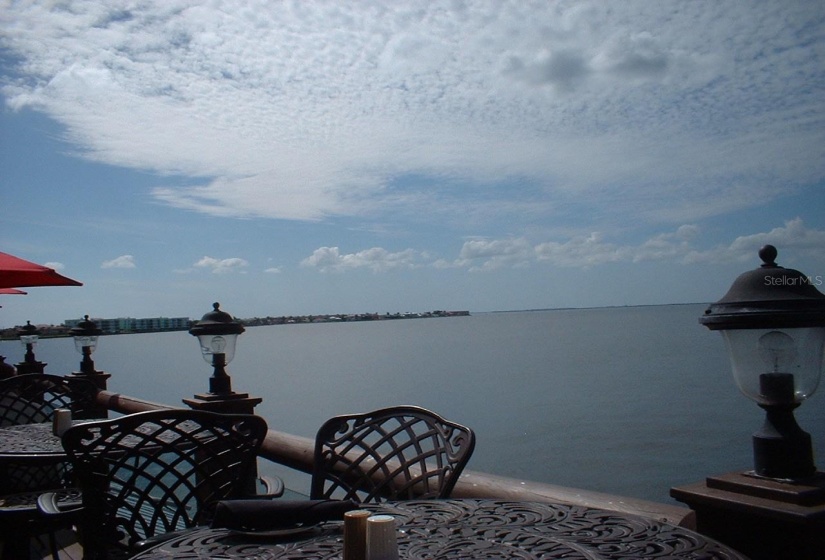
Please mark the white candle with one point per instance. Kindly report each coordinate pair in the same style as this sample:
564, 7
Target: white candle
382, 541
62, 421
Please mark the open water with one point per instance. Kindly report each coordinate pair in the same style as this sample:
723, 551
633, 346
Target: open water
630, 400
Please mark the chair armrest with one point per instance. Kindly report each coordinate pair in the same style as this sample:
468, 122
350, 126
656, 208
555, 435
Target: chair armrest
60, 503
273, 487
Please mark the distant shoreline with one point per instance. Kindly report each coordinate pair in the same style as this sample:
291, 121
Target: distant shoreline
536, 310
62, 331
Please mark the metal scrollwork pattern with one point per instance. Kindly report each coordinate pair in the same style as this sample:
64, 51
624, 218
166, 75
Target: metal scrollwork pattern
478, 529
30, 439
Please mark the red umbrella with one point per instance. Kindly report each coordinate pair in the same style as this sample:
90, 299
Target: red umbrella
15, 273
12, 291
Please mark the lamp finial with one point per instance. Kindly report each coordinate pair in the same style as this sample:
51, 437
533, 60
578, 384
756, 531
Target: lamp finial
768, 255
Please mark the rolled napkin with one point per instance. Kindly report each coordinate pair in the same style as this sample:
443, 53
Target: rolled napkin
266, 515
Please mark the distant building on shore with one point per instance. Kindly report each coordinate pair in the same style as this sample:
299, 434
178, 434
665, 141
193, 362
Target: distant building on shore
130, 325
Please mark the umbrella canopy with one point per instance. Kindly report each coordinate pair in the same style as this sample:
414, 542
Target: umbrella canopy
11, 291
16, 272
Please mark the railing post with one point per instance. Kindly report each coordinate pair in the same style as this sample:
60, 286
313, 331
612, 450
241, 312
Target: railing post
229, 403
99, 379
760, 517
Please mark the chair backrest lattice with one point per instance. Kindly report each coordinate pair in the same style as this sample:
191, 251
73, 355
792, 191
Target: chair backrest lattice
398, 453
154, 472
33, 398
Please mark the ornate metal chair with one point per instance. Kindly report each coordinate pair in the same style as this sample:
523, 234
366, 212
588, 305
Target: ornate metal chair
30, 399
149, 474
397, 453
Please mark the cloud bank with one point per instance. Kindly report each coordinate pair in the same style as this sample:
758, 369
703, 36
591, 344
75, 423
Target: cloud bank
307, 111
484, 255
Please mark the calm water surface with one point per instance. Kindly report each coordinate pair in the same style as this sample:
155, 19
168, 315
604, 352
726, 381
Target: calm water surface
628, 401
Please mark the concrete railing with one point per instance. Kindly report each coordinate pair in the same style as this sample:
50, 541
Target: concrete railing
296, 452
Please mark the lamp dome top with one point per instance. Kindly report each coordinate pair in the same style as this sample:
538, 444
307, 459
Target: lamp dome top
28, 329
770, 296
85, 327
216, 322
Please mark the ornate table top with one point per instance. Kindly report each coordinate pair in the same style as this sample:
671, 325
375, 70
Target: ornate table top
29, 439
475, 529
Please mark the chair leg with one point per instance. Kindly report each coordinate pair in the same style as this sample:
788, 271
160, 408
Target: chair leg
53, 546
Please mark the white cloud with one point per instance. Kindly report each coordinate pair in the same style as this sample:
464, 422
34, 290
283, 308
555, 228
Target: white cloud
55, 265
123, 261
377, 259
273, 270
584, 251
486, 254
222, 266
310, 110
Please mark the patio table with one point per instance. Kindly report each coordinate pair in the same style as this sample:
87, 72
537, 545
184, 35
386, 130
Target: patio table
32, 459
33, 442
476, 529
24, 448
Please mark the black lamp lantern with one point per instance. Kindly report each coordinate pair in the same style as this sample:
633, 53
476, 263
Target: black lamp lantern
773, 323
85, 335
28, 335
217, 334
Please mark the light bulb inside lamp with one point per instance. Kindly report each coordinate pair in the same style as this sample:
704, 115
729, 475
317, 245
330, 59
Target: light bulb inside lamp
778, 351
217, 344
212, 345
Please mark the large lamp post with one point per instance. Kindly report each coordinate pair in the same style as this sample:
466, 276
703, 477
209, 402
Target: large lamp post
29, 335
86, 334
773, 323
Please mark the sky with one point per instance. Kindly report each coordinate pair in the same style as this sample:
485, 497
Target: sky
309, 157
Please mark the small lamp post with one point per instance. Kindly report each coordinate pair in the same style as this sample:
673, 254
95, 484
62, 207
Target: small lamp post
773, 323
85, 335
29, 335
217, 334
